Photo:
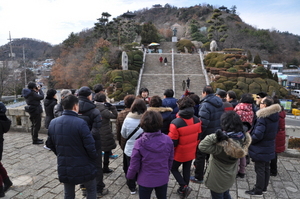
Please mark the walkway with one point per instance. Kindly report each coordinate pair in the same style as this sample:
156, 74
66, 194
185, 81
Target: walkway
33, 172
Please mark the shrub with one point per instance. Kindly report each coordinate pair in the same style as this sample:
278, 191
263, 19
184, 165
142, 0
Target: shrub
254, 87
222, 79
184, 43
220, 64
243, 86
261, 71
118, 79
249, 80
241, 79
228, 65
240, 62
232, 70
294, 143
229, 84
238, 93
218, 85
231, 60
283, 92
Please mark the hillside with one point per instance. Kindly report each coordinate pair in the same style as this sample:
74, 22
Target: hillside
271, 45
86, 57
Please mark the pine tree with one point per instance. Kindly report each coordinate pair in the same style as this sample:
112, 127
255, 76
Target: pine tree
149, 33
217, 30
257, 59
249, 56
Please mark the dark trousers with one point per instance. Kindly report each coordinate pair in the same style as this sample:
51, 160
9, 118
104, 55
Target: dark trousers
160, 192
3, 174
224, 195
36, 120
106, 159
131, 183
91, 191
99, 177
199, 164
262, 170
183, 179
125, 166
273, 165
1, 145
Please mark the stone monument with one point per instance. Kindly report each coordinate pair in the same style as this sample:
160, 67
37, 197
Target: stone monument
124, 61
174, 38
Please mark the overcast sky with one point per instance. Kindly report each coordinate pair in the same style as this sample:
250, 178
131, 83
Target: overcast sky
53, 20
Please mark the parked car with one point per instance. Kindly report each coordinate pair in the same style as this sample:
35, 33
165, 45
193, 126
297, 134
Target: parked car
119, 105
296, 93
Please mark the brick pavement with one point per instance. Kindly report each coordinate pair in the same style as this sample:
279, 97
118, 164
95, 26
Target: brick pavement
33, 172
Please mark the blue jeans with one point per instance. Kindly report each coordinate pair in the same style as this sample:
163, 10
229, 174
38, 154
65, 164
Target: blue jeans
224, 195
91, 190
160, 192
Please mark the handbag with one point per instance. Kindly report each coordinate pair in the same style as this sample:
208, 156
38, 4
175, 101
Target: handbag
133, 132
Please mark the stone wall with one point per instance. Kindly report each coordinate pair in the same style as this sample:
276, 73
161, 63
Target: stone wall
21, 122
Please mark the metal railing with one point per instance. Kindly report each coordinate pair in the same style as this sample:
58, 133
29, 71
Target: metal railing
140, 75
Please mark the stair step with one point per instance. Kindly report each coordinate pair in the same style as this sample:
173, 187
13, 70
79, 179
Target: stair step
157, 77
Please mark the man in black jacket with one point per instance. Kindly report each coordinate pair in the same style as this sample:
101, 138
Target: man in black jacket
89, 112
33, 95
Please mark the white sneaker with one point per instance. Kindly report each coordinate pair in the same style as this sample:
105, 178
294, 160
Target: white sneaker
45, 147
132, 192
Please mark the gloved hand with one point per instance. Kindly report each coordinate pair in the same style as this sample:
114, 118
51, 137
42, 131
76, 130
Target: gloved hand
221, 135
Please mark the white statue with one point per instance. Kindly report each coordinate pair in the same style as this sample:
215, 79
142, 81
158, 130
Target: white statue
124, 61
213, 46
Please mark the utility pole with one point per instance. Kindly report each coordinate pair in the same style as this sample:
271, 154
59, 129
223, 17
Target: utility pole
12, 57
24, 66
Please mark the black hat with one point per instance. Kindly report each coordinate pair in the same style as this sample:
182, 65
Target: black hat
262, 94
2, 108
84, 91
222, 93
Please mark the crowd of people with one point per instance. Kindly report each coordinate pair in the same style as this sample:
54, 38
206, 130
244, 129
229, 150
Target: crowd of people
215, 133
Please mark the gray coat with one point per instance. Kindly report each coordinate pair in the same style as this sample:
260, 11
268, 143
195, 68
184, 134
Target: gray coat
107, 138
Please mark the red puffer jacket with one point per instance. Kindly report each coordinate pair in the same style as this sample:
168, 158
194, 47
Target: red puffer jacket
280, 137
185, 135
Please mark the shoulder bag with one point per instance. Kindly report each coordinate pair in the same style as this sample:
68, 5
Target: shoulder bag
133, 132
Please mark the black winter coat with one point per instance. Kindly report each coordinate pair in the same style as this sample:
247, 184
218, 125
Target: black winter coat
58, 110
70, 139
210, 111
264, 133
88, 112
49, 104
33, 99
107, 138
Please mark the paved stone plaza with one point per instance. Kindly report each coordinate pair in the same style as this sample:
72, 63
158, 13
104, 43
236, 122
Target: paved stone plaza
33, 172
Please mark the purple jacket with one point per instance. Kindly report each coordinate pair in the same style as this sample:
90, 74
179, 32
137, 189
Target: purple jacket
151, 159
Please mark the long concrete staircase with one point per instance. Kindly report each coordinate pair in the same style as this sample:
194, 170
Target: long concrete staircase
157, 77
